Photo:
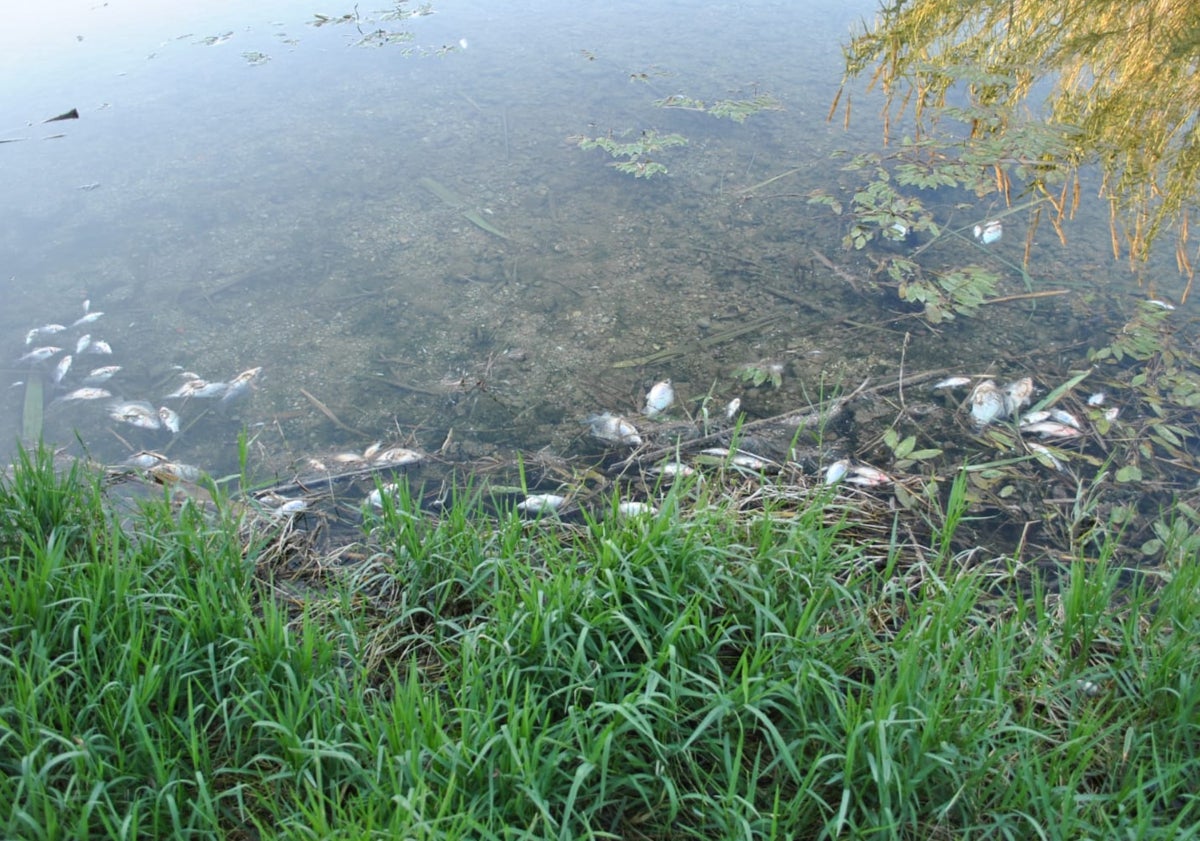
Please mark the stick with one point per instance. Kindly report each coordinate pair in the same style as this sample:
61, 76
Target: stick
839, 271
327, 413
1044, 294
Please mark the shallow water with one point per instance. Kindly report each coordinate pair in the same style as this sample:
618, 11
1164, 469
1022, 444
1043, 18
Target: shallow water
405, 227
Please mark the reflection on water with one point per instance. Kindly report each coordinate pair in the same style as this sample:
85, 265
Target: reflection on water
401, 235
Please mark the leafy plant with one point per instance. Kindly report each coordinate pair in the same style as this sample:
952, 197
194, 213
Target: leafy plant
905, 451
959, 291
757, 373
634, 157
737, 110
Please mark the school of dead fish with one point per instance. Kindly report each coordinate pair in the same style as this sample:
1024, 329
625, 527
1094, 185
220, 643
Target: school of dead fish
987, 403
97, 384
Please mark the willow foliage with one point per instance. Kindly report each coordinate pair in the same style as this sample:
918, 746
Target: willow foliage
1120, 83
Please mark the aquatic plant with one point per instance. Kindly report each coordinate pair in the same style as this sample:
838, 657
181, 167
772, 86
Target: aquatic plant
738, 110
634, 157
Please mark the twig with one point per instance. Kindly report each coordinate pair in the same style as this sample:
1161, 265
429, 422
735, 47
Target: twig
1046, 293
323, 409
838, 270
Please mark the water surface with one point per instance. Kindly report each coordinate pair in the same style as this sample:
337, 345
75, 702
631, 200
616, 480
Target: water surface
391, 214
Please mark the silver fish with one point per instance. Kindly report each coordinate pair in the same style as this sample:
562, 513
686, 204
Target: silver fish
636, 509
837, 471
989, 231
397, 456
169, 418
86, 394
867, 476
81, 344
1065, 417
240, 384
1045, 456
988, 403
60, 370
99, 375
100, 347
1052, 429
659, 399
614, 430
40, 354
375, 497
86, 318
541, 503
146, 459
135, 413
199, 388
952, 382
1017, 394
44, 330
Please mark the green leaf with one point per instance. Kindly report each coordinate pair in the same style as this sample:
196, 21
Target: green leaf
1129, 473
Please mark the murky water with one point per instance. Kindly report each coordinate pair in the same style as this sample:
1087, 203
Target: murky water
394, 219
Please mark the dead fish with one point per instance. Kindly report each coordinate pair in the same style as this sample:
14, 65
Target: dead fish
240, 384
867, 476
613, 429
375, 498
81, 344
44, 330
199, 388
672, 469
636, 509
732, 408
837, 471
952, 382
100, 347
60, 370
86, 318
397, 457
989, 231
1045, 456
1065, 417
1018, 394
169, 418
1052, 429
99, 375
290, 508
40, 354
135, 413
988, 403
86, 394
659, 399
541, 503
146, 459
737, 459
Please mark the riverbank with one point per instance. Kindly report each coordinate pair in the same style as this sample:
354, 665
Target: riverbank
724, 668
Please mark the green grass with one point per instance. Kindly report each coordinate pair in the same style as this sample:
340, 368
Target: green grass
703, 673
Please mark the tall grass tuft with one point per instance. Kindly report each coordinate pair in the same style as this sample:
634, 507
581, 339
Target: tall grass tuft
711, 671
